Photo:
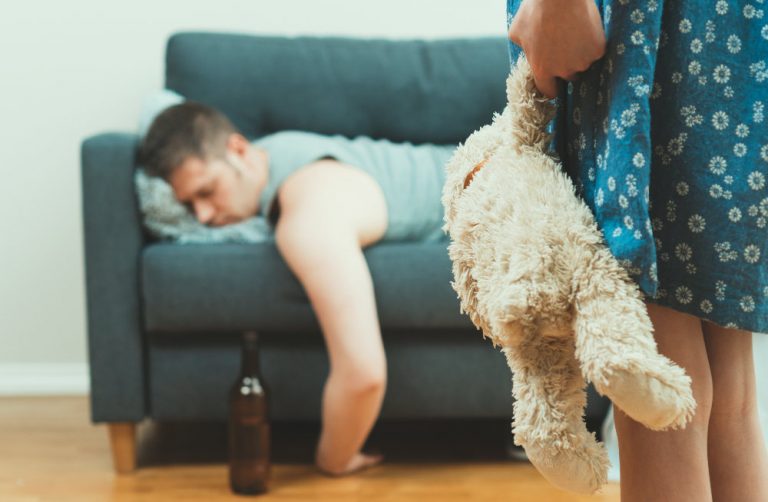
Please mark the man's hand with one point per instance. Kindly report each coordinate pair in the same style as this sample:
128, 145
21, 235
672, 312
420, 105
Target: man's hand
559, 37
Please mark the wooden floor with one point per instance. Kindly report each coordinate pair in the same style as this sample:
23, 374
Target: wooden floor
49, 451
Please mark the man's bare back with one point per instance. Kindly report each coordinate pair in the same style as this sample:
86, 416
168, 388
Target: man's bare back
345, 193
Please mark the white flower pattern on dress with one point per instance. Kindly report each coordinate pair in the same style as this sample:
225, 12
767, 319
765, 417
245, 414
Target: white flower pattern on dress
681, 91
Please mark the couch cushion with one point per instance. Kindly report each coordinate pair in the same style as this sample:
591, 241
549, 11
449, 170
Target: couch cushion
462, 376
200, 287
436, 91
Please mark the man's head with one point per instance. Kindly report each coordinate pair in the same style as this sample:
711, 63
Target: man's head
211, 167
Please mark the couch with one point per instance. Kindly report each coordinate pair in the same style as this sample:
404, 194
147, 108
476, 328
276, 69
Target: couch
164, 319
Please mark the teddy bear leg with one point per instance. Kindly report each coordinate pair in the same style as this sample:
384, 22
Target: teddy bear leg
548, 414
618, 354
650, 401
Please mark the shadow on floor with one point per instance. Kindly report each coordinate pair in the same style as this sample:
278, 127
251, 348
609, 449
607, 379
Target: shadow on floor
164, 443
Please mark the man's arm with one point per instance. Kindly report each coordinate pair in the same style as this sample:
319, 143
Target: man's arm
328, 213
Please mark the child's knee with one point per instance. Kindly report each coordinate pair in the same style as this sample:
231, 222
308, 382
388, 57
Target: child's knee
734, 403
703, 394
733, 372
701, 380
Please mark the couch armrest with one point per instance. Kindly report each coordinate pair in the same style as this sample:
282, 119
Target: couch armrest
113, 242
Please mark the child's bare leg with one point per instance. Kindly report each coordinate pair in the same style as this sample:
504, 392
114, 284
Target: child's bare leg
326, 256
738, 464
670, 465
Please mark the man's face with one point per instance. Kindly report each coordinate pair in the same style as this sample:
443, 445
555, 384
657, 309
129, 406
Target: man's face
217, 191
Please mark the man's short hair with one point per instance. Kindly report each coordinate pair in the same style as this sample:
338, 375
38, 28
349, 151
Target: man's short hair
189, 129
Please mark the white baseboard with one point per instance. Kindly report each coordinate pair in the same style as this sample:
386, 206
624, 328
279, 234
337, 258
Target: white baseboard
39, 379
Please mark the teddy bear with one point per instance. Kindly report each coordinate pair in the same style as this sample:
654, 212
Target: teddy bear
533, 273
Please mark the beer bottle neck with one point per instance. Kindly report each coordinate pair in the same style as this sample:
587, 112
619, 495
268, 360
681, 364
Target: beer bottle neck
250, 354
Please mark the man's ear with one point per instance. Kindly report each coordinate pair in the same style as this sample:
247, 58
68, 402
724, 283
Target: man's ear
237, 144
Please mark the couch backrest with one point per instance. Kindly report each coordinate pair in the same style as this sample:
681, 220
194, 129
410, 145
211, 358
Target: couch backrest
436, 91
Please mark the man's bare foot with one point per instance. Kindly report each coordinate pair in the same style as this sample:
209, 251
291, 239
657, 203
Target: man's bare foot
359, 462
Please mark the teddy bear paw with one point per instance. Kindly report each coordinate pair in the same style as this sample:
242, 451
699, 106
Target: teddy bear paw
657, 403
573, 470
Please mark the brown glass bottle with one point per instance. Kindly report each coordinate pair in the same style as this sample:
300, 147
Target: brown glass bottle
249, 438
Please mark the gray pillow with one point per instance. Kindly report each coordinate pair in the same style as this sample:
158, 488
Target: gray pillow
165, 218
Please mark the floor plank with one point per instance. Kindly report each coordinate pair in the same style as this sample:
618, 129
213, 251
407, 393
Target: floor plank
49, 451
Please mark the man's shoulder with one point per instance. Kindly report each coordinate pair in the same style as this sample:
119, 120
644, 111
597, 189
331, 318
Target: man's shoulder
323, 182
317, 175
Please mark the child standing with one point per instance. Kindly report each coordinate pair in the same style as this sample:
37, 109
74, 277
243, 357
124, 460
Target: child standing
661, 126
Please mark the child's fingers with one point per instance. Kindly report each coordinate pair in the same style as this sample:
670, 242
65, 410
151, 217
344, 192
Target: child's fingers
547, 85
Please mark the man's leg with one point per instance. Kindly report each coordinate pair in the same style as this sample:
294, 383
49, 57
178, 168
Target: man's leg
738, 463
671, 465
324, 252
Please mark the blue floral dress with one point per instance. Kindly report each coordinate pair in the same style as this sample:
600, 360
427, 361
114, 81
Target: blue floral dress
666, 139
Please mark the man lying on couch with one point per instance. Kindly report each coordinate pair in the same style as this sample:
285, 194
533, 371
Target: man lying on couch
327, 198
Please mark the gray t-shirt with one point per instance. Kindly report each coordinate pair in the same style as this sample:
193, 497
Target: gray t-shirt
411, 176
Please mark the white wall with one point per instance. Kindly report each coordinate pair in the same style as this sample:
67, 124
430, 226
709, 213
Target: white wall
72, 69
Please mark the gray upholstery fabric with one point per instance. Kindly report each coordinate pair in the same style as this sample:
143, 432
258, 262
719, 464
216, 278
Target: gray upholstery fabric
113, 241
430, 375
403, 90
235, 286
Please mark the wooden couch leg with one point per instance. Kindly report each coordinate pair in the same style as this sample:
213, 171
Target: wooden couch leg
122, 436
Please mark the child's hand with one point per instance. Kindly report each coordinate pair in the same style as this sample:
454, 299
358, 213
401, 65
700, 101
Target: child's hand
559, 37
